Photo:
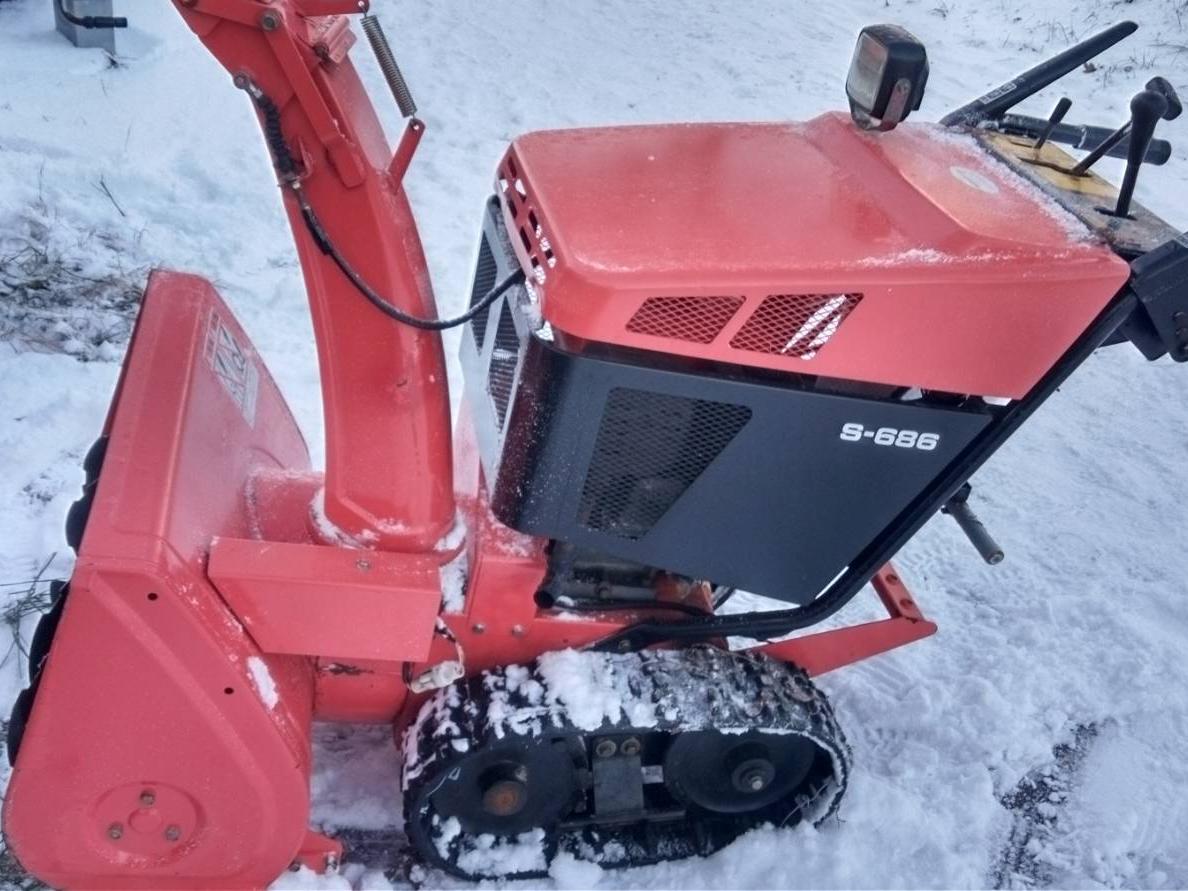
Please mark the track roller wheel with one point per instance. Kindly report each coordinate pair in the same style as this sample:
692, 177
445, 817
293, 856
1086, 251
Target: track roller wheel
620, 759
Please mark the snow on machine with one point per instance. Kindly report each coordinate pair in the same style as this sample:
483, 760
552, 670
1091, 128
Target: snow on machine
698, 359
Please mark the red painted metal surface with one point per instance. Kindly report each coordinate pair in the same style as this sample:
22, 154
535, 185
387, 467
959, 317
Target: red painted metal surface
388, 474
825, 651
314, 600
970, 282
152, 687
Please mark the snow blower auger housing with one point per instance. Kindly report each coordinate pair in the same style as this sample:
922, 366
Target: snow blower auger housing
699, 358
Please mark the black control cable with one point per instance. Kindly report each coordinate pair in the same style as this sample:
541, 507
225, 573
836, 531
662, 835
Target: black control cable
91, 21
286, 167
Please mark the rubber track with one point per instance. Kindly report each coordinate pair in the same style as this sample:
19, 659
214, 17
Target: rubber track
700, 688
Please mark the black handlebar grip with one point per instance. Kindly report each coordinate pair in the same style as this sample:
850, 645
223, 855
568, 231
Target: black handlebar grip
978, 536
1161, 86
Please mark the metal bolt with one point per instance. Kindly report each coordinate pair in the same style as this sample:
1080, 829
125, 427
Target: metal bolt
478, 627
172, 832
240, 81
756, 783
605, 748
630, 746
147, 798
270, 21
115, 830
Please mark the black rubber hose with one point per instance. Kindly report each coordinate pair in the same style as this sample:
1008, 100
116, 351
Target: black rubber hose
383, 305
286, 168
91, 21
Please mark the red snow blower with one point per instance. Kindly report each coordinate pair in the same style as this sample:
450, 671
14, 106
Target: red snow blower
698, 359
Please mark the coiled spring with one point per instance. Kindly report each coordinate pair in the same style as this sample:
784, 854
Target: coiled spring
387, 64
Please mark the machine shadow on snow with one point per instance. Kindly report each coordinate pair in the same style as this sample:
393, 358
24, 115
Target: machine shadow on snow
663, 406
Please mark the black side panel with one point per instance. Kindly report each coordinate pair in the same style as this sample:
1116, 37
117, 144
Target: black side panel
1161, 283
741, 482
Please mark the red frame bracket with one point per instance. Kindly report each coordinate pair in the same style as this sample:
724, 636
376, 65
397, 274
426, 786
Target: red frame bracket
314, 600
827, 650
403, 156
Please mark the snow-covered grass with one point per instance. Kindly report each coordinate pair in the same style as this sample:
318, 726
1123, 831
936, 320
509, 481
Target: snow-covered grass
157, 160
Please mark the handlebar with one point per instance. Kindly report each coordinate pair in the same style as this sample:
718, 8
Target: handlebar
994, 104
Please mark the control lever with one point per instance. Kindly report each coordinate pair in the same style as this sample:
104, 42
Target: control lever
1174, 107
1158, 88
1158, 100
1079, 136
1054, 118
958, 508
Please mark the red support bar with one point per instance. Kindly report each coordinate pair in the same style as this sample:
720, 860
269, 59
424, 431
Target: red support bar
826, 650
409, 141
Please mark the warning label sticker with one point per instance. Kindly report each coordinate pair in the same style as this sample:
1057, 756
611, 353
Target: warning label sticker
233, 366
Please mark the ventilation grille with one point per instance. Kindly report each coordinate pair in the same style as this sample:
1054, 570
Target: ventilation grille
504, 357
650, 448
484, 281
699, 319
797, 325
518, 199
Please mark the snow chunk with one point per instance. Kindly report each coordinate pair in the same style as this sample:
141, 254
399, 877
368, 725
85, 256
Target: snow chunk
453, 577
571, 873
455, 536
591, 690
262, 681
305, 879
493, 854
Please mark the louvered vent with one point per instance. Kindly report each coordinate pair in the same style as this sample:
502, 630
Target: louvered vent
504, 357
484, 281
696, 319
797, 325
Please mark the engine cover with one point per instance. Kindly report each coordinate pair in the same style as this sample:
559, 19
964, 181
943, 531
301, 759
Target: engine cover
912, 258
738, 476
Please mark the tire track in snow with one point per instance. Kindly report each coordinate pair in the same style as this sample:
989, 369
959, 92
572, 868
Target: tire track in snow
1037, 803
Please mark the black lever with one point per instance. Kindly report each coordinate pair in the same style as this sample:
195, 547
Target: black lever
1146, 108
958, 508
1054, 118
1079, 136
1174, 107
1103, 148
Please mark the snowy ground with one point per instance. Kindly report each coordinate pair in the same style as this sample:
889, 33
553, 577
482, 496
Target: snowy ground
1076, 643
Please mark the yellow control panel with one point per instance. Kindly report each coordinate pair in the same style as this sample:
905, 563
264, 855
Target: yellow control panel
1087, 196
